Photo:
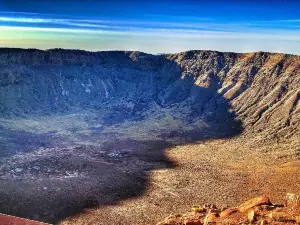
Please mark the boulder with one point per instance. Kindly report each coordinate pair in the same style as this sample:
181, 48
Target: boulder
210, 218
228, 212
262, 200
282, 217
192, 222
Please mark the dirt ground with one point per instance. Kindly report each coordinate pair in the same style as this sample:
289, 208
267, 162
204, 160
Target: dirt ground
221, 172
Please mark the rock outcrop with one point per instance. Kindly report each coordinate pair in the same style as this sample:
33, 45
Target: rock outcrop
255, 211
262, 88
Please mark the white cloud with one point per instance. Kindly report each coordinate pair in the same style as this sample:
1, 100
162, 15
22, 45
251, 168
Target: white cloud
279, 26
25, 20
57, 30
152, 36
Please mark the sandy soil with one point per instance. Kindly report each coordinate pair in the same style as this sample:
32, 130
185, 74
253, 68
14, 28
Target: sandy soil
221, 172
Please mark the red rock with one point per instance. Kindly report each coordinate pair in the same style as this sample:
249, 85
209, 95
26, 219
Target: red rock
192, 222
258, 211
171, 220
263, 200
297, 219
210, 218
228, 212
282, 217
263, 222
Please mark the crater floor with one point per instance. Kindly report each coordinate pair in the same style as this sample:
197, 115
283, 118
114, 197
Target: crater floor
221, 172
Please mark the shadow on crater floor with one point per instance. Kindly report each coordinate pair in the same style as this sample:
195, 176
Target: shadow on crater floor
59, 165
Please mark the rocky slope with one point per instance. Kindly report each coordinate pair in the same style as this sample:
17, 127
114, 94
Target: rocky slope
259, 89
262, 88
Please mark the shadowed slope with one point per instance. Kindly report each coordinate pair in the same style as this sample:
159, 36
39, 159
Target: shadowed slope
84, 129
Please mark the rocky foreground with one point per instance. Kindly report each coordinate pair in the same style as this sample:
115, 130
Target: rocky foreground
259, 210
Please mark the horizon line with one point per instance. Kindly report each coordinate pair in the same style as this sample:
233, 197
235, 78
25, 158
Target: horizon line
148, 53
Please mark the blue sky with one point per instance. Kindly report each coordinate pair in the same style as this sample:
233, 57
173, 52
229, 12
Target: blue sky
151, 26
